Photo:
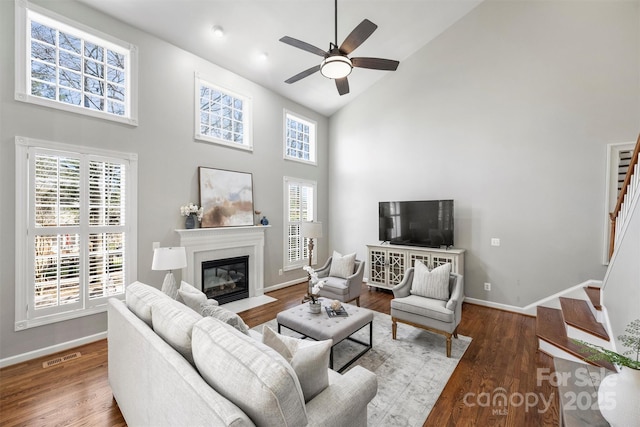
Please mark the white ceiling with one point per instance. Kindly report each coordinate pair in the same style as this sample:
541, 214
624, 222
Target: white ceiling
253, 28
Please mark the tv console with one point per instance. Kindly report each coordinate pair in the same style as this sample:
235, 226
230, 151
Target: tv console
387, 263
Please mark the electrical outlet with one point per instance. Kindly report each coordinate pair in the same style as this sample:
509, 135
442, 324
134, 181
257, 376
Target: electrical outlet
280, 272
495, 241
487, 286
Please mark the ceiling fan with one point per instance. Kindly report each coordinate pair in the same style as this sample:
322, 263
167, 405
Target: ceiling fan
336, 63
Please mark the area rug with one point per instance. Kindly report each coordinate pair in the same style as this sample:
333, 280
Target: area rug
412, 370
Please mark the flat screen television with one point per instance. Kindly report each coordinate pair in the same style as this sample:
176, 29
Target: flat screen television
418, 223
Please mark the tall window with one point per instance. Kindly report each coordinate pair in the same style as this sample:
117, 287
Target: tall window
300, 205
65, 65
75, 230
223, 117
299, 138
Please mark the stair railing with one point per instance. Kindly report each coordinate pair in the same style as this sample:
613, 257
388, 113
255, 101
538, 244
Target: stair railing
630, 186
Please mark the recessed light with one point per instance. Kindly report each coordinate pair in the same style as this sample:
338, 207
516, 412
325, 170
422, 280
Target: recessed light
218, 31
263, 56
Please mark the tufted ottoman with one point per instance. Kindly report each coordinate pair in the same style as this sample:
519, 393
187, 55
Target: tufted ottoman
322, 327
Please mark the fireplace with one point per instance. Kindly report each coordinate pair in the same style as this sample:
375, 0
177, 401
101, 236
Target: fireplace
227, 279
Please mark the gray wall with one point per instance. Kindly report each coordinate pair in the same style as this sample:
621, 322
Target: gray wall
168, 159
508, 112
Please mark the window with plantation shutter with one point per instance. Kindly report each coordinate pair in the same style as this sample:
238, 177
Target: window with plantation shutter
300, 201
75, 226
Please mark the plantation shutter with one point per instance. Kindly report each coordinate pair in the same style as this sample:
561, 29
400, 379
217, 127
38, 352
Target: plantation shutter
300, 207
78, 232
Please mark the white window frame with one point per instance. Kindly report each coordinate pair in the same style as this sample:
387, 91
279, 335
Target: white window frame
247, 113
26, 316
304, 260
611, 190
313, 132
24, 13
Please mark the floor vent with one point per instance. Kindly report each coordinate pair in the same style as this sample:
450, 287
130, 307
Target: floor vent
59, 360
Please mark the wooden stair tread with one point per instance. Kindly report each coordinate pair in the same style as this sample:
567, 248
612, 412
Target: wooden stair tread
550, 327
594, 295
576, 313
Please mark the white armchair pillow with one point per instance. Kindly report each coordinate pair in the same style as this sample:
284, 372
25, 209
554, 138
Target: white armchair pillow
431, 284
342, 265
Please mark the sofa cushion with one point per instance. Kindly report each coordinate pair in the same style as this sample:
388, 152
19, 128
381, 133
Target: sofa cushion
225, 316
424, 307
173, 322
140, 298
248, 373
431, 284
309, 359
342, 265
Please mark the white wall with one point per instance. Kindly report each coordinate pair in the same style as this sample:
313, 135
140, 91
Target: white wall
508, 112
168, 159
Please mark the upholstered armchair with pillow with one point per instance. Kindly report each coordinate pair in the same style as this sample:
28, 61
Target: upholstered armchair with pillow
431, 300
343, 275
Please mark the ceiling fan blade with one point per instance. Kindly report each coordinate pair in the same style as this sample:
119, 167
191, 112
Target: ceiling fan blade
304, 46
343, 86
303, 74
375, 63
357, 36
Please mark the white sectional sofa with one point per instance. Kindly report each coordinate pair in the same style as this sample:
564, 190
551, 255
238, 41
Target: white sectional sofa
169, 366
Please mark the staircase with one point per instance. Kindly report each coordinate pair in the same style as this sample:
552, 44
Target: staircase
575, 319
586, 315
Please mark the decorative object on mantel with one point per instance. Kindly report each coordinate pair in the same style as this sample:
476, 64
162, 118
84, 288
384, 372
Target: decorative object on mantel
264, 221
314, 289
169, 259
226, 197
258, 213
192, 212
618, 393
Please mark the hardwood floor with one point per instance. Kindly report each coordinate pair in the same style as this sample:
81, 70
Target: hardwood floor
501, 364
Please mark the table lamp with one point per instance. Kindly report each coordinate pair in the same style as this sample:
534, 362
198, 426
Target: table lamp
311, 230
169, 259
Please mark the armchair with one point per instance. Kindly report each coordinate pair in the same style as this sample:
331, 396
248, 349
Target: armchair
343, 289
434, 315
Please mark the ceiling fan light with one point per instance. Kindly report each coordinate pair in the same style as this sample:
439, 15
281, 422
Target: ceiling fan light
336, 67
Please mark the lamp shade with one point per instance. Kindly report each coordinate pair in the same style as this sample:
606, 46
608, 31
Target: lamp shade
169, 258
312, 230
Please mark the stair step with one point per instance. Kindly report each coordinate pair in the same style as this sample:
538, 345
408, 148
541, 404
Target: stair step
576, 313
594, 295
550, 328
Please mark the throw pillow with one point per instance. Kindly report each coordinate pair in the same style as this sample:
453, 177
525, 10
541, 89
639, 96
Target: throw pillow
173, 322
248, 373
193, 301
342, 265
431, 284
225, 316
310, 360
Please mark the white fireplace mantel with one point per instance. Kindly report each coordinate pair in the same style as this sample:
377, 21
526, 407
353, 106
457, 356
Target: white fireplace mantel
206, 244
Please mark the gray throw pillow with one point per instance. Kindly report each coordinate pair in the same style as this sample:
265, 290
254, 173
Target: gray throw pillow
310, 360
225, 316
431, 284
342, 265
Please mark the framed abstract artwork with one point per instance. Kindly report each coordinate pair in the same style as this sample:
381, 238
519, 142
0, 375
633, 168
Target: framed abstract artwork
226, 197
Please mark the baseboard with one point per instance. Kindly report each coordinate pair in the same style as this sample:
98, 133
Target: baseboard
530, 310
284, 284
24, 357
496, 305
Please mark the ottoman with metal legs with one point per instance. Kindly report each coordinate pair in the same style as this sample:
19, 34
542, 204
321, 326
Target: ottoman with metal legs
322, 327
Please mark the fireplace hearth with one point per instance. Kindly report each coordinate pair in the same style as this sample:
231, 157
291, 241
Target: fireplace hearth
227, 279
